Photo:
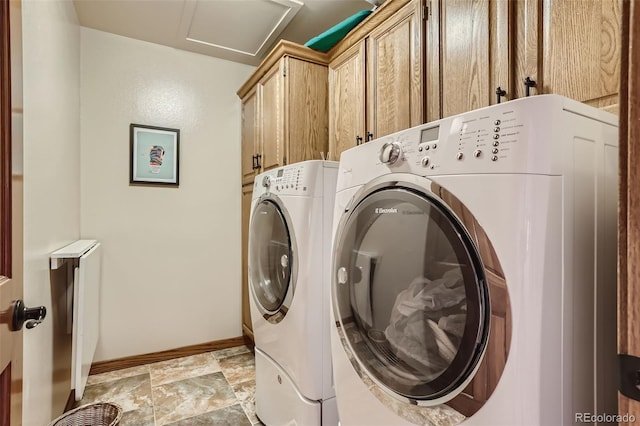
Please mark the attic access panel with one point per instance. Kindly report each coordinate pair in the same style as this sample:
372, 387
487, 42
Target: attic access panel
215, 23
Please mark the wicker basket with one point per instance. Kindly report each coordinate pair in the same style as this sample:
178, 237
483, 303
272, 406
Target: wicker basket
97, 414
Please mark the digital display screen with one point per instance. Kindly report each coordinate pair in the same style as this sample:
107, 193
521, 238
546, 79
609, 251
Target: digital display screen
430, 134
280, 172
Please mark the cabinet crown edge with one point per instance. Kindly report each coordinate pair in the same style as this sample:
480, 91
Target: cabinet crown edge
283, 48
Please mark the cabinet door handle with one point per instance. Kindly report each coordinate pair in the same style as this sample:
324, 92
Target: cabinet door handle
253, 162
500, 93
358, 140
528, 84
369, 136
258, 157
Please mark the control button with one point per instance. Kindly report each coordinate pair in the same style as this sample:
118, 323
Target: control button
497, 122
494, 158
459, 156
425, 161
497, 129
477, 153
496, 143
420, 149
434, 146
426, 147
494, 150
496, 136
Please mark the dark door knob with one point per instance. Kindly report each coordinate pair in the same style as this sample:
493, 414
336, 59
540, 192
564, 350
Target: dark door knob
31, 316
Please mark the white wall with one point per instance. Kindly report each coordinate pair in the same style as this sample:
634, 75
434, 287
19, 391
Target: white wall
172, 256
51, 88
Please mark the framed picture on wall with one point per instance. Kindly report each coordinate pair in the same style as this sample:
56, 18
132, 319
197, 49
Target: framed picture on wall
154, 155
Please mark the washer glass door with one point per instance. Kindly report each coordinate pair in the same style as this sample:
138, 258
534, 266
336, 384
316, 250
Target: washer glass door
410, 293
269, 255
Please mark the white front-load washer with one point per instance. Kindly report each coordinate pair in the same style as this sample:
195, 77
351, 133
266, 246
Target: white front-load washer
289, 252
474, 270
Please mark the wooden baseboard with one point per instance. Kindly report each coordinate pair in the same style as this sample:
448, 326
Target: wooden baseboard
136, 360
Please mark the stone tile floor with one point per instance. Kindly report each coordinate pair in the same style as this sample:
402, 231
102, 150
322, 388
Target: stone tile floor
214, 388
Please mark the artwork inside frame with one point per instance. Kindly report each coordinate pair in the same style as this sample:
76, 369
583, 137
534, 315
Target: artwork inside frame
154, 156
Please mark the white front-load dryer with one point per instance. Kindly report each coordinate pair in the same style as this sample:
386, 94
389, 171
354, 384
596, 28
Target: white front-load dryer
474, 272
289, 251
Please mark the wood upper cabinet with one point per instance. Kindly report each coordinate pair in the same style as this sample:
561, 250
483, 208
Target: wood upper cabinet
376, 78
347, 100
272, 118
307, 113
570, 48
395, 72
475, 44
249, 146
290, 109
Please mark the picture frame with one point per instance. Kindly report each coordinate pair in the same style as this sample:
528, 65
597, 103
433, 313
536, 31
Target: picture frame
154, 155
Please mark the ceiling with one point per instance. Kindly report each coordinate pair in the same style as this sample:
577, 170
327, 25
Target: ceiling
237, 30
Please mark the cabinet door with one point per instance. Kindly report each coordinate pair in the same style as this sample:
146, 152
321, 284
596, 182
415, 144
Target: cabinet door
347, 100
571, 48
306, 110
272, 118
247, 191
395, 72
475, 53
250, 136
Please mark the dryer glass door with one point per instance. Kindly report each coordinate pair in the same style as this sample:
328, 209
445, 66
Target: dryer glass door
269, 255
410, 293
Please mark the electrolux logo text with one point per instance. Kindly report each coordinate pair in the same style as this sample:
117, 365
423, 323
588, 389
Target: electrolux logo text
380, 210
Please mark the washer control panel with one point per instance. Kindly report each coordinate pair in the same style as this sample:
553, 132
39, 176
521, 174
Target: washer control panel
289, 180
294, 179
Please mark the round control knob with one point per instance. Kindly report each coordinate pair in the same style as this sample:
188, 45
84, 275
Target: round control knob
477, 153
266, 181
459, 156
390, 152
425, 161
